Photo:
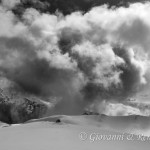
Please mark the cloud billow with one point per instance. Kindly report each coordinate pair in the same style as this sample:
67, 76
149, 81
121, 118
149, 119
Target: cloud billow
99, 55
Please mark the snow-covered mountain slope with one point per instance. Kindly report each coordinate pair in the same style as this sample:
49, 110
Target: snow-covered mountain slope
129, 124
3, 124
64, 132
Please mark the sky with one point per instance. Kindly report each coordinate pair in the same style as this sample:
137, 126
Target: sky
95, 59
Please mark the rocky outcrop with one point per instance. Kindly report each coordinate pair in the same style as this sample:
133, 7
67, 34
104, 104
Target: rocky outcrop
90, 113
19, 111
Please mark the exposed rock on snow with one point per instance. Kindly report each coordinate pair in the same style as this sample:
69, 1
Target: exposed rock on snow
19, 111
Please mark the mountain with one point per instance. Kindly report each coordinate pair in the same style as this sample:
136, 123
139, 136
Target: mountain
127, 124
75, 132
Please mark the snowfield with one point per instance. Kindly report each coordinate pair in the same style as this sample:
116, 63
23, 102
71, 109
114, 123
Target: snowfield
77, 133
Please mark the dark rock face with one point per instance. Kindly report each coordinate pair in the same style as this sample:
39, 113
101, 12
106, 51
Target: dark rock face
90, 113
58, 121
67, 6
27, 110
18, 112
5, 109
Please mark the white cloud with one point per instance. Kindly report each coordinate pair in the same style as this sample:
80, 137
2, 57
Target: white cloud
116, 109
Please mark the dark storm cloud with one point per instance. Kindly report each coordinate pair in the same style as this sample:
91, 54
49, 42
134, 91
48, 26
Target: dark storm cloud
67, 6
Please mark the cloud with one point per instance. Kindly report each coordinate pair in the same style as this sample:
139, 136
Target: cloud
97, 67
142, 106
116, 109
82, 58
31, 59
10, 3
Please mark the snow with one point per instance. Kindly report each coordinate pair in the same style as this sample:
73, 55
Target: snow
46, 134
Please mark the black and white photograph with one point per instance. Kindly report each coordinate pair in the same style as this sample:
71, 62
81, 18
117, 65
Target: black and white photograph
74, 74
